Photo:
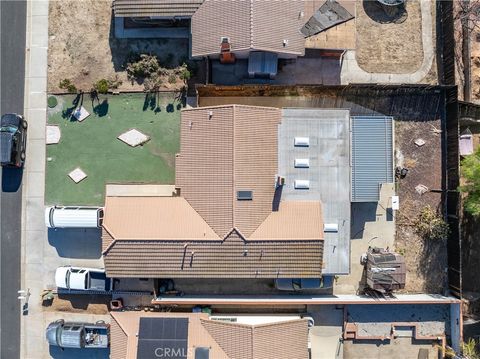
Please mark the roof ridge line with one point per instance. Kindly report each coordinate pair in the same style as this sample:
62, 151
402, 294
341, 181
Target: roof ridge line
251, 24
234, 142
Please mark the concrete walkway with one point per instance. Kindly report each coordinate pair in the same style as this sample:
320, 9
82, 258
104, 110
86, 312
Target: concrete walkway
44, 251
352, 73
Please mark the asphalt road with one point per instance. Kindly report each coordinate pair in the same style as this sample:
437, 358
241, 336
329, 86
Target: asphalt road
12, 78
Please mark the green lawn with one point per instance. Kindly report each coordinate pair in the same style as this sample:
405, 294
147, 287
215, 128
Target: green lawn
93, 146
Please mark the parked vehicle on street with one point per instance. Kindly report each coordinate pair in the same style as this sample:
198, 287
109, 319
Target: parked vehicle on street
73, 217
13, 140
299, 284
78, 335
77, 278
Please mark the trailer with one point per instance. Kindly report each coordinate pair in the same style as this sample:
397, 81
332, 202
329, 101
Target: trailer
78, 335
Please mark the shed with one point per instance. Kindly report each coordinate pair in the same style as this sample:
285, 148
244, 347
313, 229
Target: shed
386, 271
372, 156
466, 143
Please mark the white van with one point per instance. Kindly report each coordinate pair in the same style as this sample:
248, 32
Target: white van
73, 217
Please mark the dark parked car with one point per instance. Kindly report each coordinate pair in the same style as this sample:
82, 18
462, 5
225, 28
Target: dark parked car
13, 140
299, 284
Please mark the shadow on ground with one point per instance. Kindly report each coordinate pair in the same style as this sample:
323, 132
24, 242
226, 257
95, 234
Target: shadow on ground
82, 301
361, 213
84, 243
470, 252
69, 353
11, 179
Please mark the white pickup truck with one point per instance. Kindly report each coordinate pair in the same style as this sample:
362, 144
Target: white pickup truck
69, 277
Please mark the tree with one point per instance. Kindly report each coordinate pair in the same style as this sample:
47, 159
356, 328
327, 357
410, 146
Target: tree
470, 169
469, 349
185, 74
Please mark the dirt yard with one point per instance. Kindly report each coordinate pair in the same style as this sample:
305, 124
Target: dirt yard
386, 45
426, 260
82, 47
92, 304
475, 61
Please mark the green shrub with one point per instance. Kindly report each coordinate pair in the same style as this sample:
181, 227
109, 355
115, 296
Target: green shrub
66, 84
101, 86
471, 173
52, 101
185, 74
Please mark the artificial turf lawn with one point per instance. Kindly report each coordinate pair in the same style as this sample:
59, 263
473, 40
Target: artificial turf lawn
93, 146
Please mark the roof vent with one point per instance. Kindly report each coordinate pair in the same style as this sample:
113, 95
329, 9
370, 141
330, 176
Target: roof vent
285, 42
279, 181
330, 227
302, 141
302, 163
302, 184
202, 353
244, 195
210, 115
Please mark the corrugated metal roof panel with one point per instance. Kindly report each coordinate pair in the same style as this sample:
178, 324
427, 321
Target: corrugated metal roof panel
372, 156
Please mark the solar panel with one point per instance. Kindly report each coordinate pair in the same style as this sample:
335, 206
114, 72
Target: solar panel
163, 337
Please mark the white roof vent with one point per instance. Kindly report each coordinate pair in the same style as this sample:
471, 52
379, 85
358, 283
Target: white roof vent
302, 184
330, 227
302, 141
302, 163
285, 42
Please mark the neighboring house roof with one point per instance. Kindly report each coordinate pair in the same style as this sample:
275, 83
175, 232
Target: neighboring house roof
268, 341
209, 232
250, 25
331, 13
224, 340
159, 8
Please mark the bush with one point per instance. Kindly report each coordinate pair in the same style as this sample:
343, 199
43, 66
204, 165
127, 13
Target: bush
101, 86
431, 226
471, 173
52, 101
172, 79
143, 68
185, 74
66, 84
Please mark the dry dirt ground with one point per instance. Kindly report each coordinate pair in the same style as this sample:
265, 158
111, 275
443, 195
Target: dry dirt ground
82, 47
475, 63
388, 46
92, 304
426, 260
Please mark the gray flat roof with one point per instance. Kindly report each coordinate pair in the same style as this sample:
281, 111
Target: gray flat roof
329, 173
372, 156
